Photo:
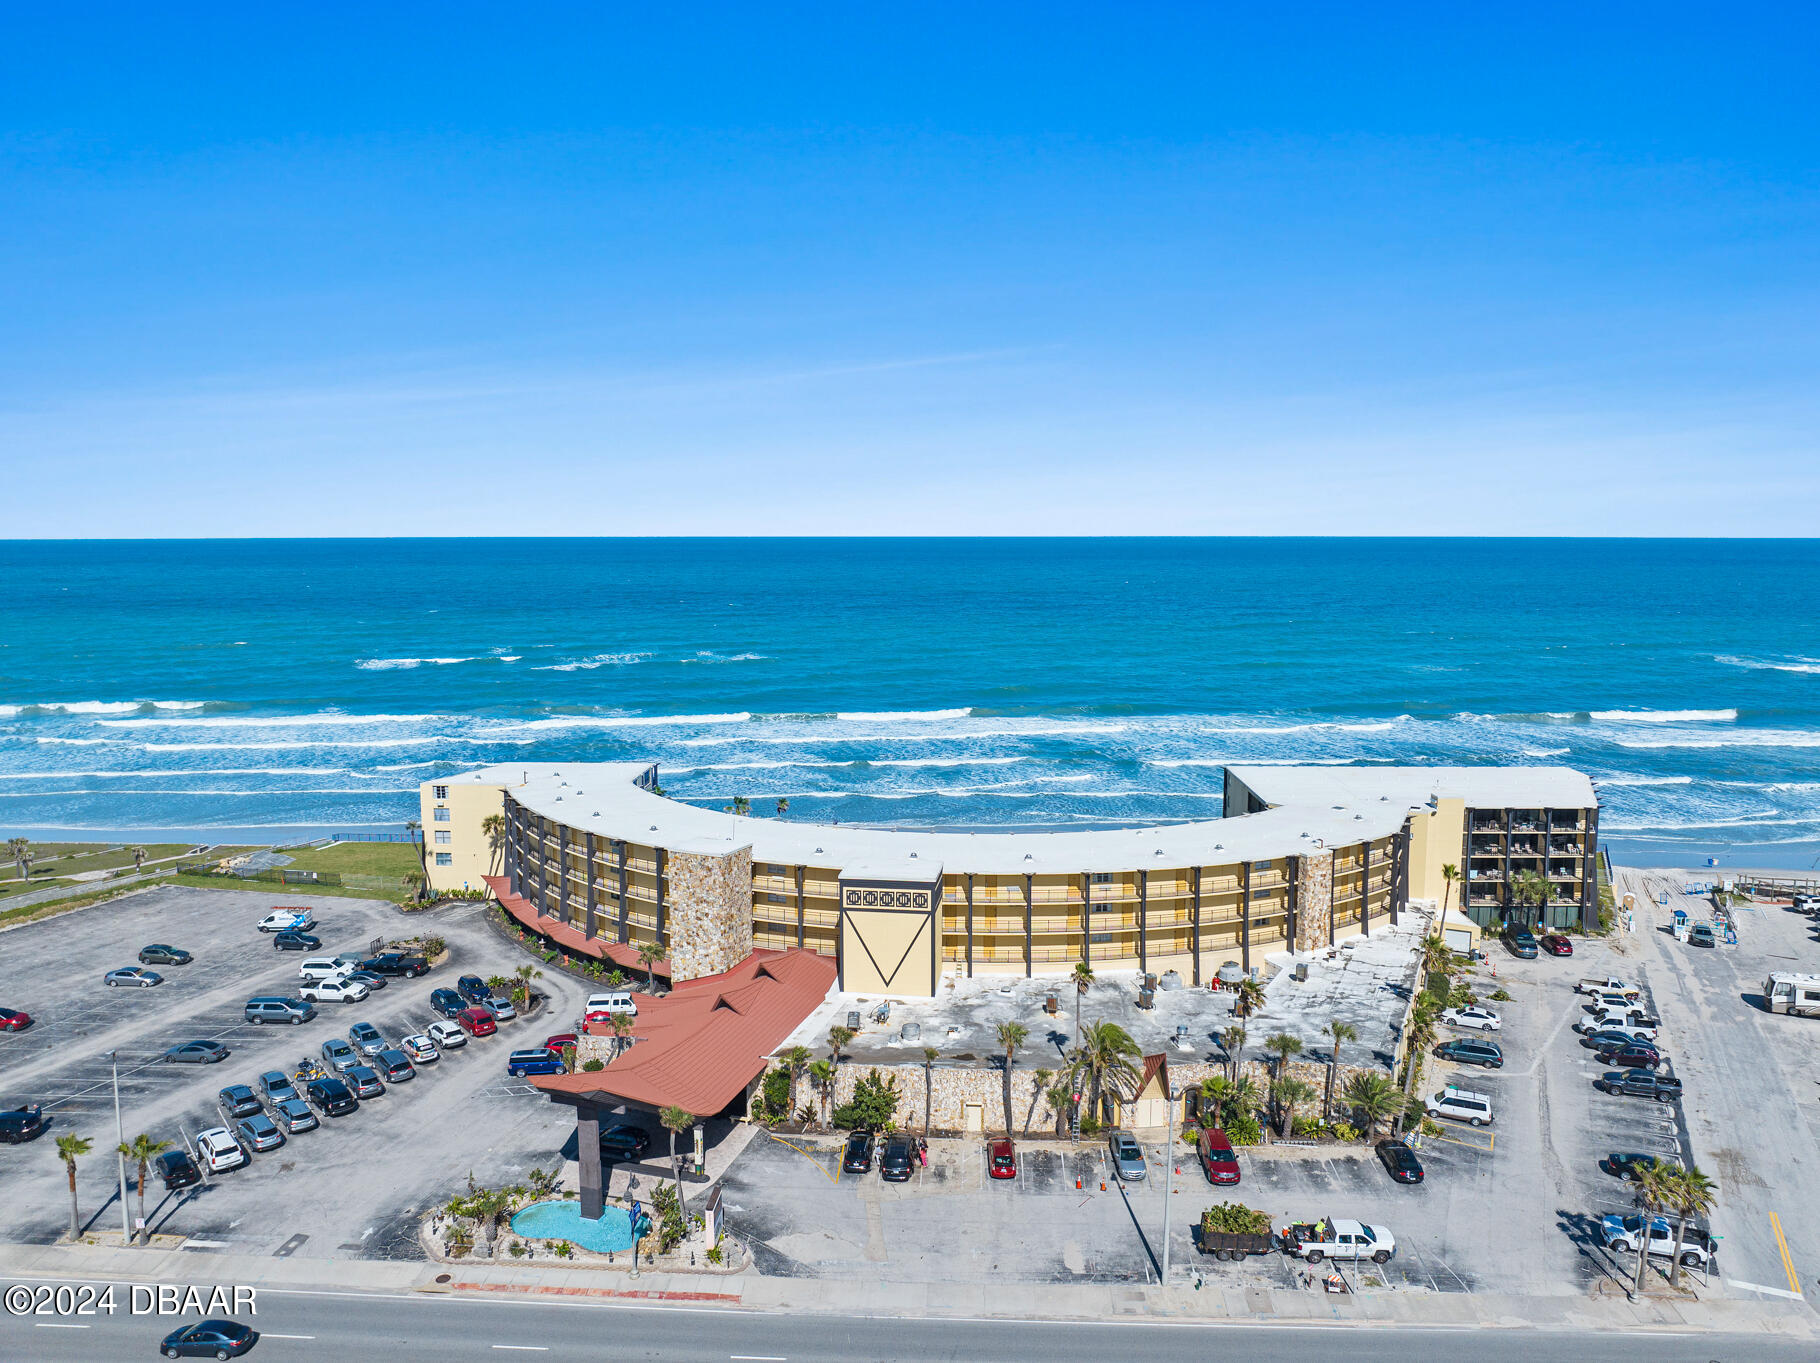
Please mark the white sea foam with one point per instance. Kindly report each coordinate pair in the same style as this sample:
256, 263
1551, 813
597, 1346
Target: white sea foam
942, 761
1765, 819
956, 736
1374, 727
1249, 762
1743, 738
1797, 664
1664, 716
598, 660
615, 722
99, 707
143, 774
1545, 752
1643, 780
393, 664
303, 745
259, 794
872, 716
708, 655
322, 719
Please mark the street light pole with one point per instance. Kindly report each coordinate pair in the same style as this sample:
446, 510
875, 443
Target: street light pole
126, 1226
1168, 1173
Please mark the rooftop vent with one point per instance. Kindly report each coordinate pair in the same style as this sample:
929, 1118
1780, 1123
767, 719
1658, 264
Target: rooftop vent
1028, 857
913, 856
653, 828
818, 849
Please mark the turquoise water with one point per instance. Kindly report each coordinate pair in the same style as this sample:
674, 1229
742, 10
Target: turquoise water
283, 685
564, 1221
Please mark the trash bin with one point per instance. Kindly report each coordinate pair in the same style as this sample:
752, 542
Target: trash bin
1301, 972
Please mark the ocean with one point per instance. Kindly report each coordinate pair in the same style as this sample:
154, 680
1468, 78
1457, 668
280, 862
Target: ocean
268, 688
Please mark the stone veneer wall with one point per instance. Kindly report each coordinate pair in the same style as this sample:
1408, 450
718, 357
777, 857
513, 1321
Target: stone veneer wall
1314, 901
708, 912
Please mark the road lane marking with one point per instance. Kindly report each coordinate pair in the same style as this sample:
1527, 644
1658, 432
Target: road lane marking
1788, 1263
267, 1334
526, 1348
58, 1325
1759, 1287
758, 1358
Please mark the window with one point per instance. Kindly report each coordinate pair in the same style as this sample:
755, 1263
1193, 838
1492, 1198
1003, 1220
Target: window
440, 792
445, 858
1102, 877
443, 837
440, 816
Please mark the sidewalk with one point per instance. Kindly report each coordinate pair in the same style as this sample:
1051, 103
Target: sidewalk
1215, 1302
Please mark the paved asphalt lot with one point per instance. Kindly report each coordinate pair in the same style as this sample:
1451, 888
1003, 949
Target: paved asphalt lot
351, 1187
303, 1326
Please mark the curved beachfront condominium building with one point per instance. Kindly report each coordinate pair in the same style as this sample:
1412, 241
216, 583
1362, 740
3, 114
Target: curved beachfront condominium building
591, 857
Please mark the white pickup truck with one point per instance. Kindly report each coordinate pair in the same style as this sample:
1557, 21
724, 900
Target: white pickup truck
1623, 1232
1339, 1239
1606, 984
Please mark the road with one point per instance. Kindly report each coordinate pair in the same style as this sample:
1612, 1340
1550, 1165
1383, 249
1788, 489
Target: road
405, 1329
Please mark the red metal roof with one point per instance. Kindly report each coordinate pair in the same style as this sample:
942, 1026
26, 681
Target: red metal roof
698, 1046
568, 935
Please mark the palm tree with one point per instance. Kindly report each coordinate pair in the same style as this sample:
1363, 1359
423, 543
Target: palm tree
1289, 1094
1103, 1056
1244, 1096
1039, 1085
741, 805
19, 852
69, 1149
838, 1037
142, 1150
415, 830
494, 826
621, 1027
1010, 1035
649, 954
1217, 1091
796, 1059
1532, 889
522, 989
1083, 977
783, 808
1450, 876
1250, 998
1655, 1190
930, 1055
1282, 1045
677, 1119
821, 1074
1232, 1041
413, 882
1375, 1096
1061, 1098
1693, 1195
1337, 1032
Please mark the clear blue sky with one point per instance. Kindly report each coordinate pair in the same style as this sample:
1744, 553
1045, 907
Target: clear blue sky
340, 269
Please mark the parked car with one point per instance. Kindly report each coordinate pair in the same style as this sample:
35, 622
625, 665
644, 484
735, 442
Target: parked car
1218, 1161
1001, 1159
177, 1170
1604, 984
276, 1086
394, 1066
367, 977
476, 1022
288, 920
1474, 1019
219, 1150
612, 1001
1399, 1161
331, 1097
1604, 1038
273, 1008
446, 1002
1701, 935
1625, 1232
196, 1053
135, 976
419, 1048
365, 1081
209, 1339
160, 954
1557, 945
334, 991
898, 1159
537, 1060
294, 1115
365, 1038
472, 988
326, 968
559, 1041
339, 1056
447, 1036
1521, 943
296, 941
1629, 1018
1339, 1238
1462, 1105
21, 1124
14, 1020
1631, 1057
237, 1100
501, 1008
1640, 1083
857, 1158
624, 1141
258, 1133
396, 963
1472, 1052
1127, 1156
1627, 1167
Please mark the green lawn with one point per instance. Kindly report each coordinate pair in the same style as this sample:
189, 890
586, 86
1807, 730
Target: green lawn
53, 859
357, 858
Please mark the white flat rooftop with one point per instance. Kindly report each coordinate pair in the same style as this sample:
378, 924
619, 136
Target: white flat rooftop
601, 798
1406, 787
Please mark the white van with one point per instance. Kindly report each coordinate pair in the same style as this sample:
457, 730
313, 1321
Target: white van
328, 967
612, 1001
1463, 1105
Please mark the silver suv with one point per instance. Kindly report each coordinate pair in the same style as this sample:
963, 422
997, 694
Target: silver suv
1127, 1156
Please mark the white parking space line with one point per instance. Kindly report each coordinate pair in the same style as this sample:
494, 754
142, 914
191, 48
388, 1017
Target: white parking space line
58, 1325
526, 1348
267, 1334
1759, 1287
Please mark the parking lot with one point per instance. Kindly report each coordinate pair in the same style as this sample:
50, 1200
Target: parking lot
350, 1188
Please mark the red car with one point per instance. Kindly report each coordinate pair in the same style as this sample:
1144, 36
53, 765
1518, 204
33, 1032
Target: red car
600, 1017
12, 1020
476, 1022
554, 1044
1001, 1161
1217, 1160
1557, 945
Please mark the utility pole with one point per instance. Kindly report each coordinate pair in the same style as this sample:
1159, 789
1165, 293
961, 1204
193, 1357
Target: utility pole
1168, 1172
126, 1225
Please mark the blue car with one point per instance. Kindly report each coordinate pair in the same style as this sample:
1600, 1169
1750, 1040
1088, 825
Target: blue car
473, 989
535, 1061
446, 1002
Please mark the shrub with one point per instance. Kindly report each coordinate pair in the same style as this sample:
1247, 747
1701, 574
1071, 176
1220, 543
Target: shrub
1345, 1131
1235, 1218
873, 1106
715, 1256
517, 1250
1307, 1126
616, 977
1090, 1125
776, 1094
1241, 1128
593, 1066
1430, 1127
562, 1249
1500, 996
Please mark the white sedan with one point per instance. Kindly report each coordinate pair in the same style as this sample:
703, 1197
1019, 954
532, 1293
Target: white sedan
1475, 1018
420, 1048
447, 1035
219, 1150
